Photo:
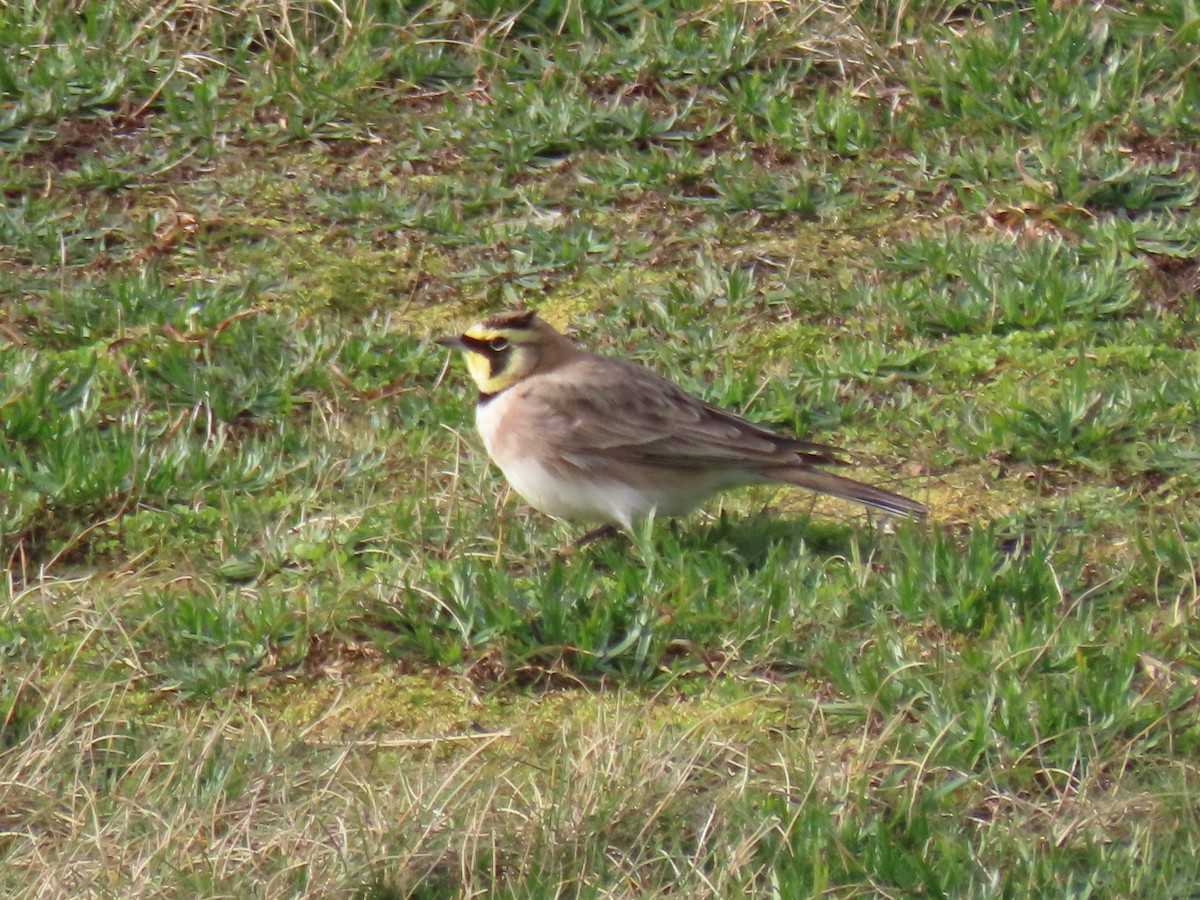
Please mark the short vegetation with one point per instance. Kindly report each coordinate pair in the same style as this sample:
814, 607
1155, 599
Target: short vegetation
271, 626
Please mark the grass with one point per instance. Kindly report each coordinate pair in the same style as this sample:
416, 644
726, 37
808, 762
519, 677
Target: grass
270, 625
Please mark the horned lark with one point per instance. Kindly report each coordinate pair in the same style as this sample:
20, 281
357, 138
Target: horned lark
598, 439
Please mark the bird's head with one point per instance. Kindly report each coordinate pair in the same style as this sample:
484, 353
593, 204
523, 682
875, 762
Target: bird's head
505, 348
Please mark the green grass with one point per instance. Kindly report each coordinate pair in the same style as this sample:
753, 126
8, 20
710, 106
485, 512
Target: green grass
271, 625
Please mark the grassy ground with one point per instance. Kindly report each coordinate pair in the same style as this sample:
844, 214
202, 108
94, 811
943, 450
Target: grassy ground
272, 627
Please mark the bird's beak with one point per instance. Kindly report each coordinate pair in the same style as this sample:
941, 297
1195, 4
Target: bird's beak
454, 342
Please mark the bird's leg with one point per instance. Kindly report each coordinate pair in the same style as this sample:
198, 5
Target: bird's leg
596, 534
567, 550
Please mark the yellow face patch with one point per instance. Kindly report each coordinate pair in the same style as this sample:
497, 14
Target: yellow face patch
480, 369
497, 358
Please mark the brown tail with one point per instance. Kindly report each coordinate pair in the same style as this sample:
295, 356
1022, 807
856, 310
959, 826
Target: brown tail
849, 489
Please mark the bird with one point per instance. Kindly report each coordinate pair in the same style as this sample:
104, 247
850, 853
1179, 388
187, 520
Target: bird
608, 441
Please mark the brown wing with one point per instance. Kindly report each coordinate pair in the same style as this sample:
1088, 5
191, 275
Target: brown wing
618, 410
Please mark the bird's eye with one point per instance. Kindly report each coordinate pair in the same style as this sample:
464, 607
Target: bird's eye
498, 344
